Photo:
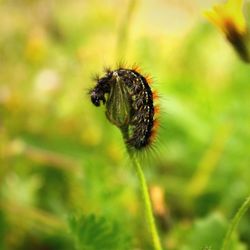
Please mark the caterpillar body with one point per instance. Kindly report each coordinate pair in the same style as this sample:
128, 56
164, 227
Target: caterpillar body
129, 105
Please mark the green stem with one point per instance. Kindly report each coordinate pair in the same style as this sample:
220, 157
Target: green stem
242, 210
123, 31
148, 207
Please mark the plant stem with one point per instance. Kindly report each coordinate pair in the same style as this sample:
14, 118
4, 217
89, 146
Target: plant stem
242, 210
123, 31
147, 203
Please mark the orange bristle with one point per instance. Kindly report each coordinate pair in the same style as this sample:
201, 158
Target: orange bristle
149, 79
155, 95
136, 68
156, 124
154, 130
157, 109
153, 135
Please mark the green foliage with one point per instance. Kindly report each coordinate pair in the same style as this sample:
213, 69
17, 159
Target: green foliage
3, 226
208, 234
94, 233
60, 156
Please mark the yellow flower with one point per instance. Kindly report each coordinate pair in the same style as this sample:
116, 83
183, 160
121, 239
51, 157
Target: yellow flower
229, 18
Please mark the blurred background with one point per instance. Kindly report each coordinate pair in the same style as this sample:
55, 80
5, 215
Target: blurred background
65, 179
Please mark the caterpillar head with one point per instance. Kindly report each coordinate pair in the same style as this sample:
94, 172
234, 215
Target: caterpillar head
97, 96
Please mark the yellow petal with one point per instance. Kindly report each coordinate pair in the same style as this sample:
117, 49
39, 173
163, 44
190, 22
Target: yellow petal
228, 14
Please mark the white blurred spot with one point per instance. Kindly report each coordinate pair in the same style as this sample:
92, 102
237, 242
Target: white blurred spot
47, 82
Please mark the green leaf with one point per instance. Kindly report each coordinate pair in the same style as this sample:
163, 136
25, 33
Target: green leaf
95, 233
208, 233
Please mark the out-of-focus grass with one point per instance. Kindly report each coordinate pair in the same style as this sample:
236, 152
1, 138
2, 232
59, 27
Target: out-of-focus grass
60, 156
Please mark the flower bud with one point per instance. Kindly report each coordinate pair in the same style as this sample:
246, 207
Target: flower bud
118, 107
230, 20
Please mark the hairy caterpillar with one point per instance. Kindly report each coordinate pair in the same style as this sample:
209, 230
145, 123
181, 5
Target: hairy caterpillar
129, 105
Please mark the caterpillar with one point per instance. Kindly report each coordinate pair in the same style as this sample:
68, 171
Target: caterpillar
129, 103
